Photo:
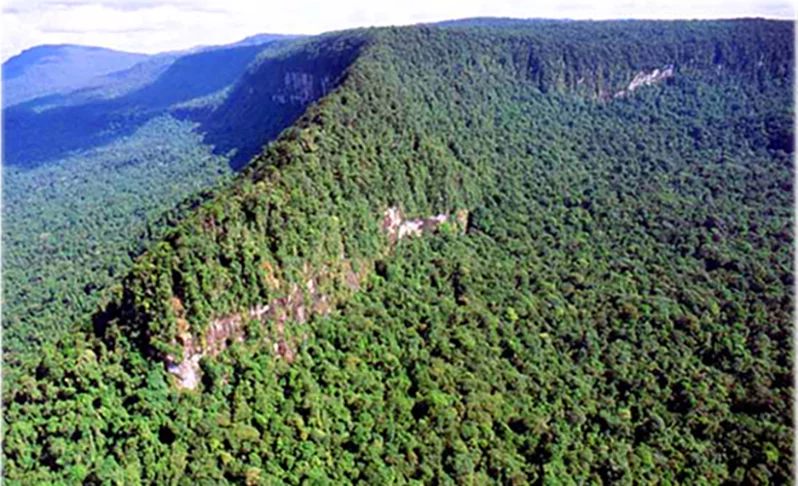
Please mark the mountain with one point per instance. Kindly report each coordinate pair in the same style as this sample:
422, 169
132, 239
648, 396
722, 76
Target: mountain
125, 155
123, 101
264, 38
557, 252
50, 76
108, 86
271, 95
51, 69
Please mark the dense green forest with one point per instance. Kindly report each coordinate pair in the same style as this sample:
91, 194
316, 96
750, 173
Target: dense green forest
71, 228
609, 300
79, 208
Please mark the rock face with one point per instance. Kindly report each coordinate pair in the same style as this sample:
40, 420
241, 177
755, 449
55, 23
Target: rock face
302, 87
296, 306
225, 331
273, 94
643, 78
220, 334
397, 228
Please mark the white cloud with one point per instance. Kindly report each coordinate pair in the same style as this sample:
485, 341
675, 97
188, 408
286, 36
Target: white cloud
159, 25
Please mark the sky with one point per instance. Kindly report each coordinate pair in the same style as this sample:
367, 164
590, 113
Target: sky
162, 25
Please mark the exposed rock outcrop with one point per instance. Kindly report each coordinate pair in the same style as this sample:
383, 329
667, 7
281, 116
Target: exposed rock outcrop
643, 78
296, 305
398, 228
221, 333
300, 87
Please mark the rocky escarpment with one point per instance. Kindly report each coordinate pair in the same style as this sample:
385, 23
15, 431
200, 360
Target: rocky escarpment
396, 227
294, 308
274, 92
302, 87
646, 79
648, 54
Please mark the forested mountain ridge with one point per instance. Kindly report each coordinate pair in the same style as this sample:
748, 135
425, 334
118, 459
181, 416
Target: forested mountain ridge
50, 69
500, 65
46, 76
617, 309
273, 93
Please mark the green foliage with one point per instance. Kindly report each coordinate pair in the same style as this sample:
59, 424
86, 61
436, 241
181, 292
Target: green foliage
72, 228
75, 224
617, 312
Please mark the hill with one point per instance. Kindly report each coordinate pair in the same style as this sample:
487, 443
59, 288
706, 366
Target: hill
264, 38
82, 205
559, 252
51, 69
97, 115
143, 74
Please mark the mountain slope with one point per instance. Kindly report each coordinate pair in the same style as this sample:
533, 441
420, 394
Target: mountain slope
95, 120
434, 189
50, 69
144, 73
82, 205
595, 281
273, 94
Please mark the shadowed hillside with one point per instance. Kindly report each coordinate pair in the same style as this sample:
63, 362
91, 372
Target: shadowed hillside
97, 122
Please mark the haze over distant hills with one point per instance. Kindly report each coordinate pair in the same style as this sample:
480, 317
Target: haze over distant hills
50, 69
61, 69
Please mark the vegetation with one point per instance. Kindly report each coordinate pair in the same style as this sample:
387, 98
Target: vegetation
91, 118
48, 70
617, 310
72, 228
81, 207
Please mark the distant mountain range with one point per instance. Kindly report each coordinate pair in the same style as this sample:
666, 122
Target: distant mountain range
47, 70
83, 111
50, 69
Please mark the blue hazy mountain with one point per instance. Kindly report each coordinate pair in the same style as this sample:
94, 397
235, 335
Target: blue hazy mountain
116, 104
50, 69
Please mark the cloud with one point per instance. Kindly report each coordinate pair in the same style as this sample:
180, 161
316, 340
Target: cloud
126, 5
160, 25
149, 27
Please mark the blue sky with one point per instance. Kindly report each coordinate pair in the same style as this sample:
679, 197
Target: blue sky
159, 25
